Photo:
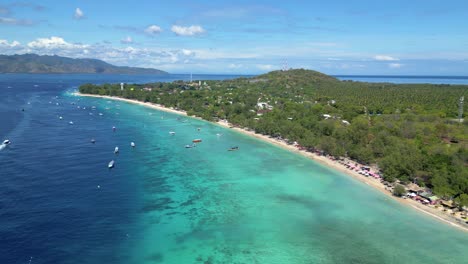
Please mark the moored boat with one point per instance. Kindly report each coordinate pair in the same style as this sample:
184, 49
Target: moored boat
197, 140
172, 132
116, 150
132, 144
233, 148
111, 164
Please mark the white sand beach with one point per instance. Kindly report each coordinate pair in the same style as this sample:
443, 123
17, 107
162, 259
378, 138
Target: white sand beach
430, 210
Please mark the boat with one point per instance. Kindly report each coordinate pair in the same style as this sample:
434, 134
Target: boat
116, 150
188, 146
71, 122
197, 140
6, 142
93, 140
111, 164
172, 133
233, 148
132, 144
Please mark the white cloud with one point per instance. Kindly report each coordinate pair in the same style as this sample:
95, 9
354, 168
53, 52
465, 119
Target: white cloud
153, 30
216, 54
78, 13
12, 44
53, 43
235, 66
385, 58
187, 52
265, 67
395, 65
126, 40
187, 31
16, 22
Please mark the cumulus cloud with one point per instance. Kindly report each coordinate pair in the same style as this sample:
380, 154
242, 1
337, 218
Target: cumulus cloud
126, 40
395, 65
385, 58
12, 44
153, 30
78, 13
53, 43
128, 56
187, 31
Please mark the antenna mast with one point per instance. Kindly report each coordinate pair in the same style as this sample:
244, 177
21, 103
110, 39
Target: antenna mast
460, 109
285, 65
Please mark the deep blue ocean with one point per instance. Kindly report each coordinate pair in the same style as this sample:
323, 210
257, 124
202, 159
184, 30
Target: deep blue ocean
162, 203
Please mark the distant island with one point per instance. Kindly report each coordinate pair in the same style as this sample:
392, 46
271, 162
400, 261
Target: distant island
33, 63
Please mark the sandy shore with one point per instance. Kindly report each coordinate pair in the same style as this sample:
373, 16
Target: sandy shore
375, 183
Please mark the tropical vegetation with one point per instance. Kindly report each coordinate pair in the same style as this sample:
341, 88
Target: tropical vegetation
410, 131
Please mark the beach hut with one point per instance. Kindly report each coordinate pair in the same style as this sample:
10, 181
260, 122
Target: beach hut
447, 204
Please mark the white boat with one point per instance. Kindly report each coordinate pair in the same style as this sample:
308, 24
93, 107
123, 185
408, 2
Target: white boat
116, 150
6, 142
111, 164
172, 133
188, 146
71, 122
132, 144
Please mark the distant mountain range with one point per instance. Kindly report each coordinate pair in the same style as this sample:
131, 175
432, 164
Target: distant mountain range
32, 63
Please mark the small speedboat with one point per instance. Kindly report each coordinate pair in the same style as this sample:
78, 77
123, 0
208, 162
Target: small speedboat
188, 146
116, 150
71, 122
113, 128
197, 140
93, 140
111, 164
132, 144
172, 133
6, 142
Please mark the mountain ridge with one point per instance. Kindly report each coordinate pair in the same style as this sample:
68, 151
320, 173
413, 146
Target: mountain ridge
33, 63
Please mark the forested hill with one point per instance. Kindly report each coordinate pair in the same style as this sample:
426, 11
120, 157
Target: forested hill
32, 63
410, 131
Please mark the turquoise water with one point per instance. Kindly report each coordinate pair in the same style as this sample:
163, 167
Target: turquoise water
262, 204
163, 203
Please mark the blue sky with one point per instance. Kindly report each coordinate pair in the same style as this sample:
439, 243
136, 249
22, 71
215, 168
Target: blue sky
424, 37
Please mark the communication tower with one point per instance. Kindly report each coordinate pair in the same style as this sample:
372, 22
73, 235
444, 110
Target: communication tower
460, 109
285, 65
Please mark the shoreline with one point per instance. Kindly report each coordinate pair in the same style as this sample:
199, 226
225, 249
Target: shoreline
374, 183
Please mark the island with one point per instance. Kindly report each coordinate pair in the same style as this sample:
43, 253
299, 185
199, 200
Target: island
409, 139
32, 63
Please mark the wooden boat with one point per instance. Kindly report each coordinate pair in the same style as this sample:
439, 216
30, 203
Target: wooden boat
197, 140
233, 148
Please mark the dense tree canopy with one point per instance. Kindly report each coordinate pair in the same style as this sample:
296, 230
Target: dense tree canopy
409, 130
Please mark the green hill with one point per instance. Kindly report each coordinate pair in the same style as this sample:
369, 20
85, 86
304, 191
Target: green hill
32, 63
